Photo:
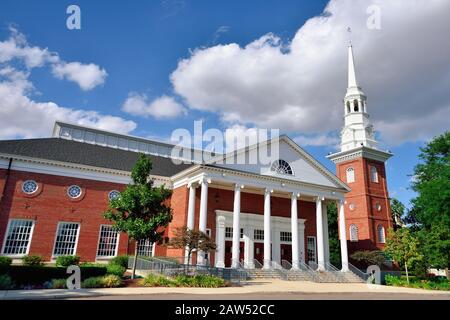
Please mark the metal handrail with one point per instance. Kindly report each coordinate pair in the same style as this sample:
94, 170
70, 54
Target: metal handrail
304, 267
286, 264
276, 265
336, 272
257, 264
363, 275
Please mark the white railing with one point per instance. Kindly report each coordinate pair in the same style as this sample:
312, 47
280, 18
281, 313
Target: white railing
363, 275
257, 264
276, 265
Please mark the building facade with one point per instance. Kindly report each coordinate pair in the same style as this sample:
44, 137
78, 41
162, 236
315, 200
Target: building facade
53, 192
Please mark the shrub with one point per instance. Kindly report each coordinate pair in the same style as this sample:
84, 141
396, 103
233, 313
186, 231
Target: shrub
152, 280
203, 281
111, 281
115, 269
5, 282
392, 280
5, 262
58, 284
32, 261
120, 260
37, 275
94, 282
65, 261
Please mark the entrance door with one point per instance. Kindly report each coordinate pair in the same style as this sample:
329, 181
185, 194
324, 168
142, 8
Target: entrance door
229, 252
259, 252
286, 252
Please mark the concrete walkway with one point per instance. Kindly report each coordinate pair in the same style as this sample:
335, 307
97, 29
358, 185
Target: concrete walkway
251, 287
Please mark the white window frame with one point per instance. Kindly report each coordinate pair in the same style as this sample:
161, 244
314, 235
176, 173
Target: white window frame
381, 239
27, 181
350, 177
152, 250
260, 234
76, 240
241, 234
308, 248
6, 236
284, 235
354, 236
98, 243
374, 174
74, 186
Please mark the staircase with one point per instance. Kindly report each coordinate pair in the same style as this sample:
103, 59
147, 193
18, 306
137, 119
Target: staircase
265, 274
299, 275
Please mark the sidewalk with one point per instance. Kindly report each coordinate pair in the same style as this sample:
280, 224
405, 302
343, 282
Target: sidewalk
257, 286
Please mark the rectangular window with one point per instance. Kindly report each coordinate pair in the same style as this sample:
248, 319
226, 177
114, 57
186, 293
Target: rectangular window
108, 242
258, 234
285, 236
312, 249
66, 238
145, 248
229, 232
18, 237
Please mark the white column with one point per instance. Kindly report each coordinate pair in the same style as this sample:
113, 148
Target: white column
319, 230
301, 231
191, 215
343, 237
203, 217
249, 248
294, 231
236, 226
326, 242
267, 230
276, 245
220, 242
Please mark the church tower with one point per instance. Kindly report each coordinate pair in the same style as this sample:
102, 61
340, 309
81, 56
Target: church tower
362, 167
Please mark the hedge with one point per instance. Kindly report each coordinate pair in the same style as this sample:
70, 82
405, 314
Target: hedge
35, 275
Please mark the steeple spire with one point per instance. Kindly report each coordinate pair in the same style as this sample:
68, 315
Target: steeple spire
351, 69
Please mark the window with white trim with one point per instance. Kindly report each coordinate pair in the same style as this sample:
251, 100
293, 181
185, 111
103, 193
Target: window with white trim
113, 194
354, 232
146, 248
311, 246
18, 237
108, 241
74, 191
66, 238
285, 236
381, 234
228, 232
30, 187
282, 167
258, 234
350, 175
373, 174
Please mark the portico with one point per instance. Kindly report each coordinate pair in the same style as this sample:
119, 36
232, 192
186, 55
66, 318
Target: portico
264, 237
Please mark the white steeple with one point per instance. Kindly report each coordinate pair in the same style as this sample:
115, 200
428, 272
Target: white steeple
357, 131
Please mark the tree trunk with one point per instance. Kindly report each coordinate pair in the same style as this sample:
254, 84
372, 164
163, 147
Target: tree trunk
407, 276
447, 274
133, 274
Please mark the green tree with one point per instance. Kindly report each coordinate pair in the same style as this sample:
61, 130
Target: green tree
333, 234
370, 257
403, 246
185, 238
397, 210
432, 183
141, 210
435, 245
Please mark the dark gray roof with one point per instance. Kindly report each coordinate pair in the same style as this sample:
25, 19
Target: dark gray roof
58, 149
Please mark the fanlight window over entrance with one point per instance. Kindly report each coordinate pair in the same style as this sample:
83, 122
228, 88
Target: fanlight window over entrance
281, 166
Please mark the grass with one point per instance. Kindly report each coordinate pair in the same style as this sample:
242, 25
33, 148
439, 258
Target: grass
436, 283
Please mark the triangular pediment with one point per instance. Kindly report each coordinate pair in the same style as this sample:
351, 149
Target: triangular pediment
304, 168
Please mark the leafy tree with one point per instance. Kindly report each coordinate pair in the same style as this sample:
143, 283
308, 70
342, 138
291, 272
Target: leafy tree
185, 238
397, 210
141, 210
370, 257
333, 234
403, 246
435, 245
432, 183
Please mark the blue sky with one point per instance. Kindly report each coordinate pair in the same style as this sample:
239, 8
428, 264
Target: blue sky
135, 49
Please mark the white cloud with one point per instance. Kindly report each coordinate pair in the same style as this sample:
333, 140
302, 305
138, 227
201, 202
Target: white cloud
23, 117
160, 108
404, 68
317, 140
87, 76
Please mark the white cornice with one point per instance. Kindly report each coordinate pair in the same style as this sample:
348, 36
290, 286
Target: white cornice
360, 152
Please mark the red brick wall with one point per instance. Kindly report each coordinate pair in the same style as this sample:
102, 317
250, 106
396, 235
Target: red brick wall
365, 194
51, 205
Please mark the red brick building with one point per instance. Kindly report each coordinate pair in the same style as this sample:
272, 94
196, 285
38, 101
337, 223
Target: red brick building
268, 212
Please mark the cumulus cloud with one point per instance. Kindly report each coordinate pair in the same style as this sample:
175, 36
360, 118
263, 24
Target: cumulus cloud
404, 68
317, 140
87, 76
23, 117
164, 107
